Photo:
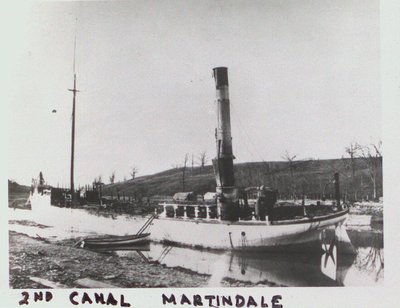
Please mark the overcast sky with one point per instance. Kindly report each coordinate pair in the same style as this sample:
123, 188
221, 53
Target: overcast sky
304, 77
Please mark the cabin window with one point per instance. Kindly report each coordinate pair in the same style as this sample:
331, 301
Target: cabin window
169, 211
212, 212
180, 211
202, 212
190, 212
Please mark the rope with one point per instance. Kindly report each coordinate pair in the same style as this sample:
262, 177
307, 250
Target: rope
247, 140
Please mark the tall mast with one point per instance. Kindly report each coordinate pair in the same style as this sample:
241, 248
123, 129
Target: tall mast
74, 90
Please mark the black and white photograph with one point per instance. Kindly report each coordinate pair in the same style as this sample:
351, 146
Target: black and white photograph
210, 145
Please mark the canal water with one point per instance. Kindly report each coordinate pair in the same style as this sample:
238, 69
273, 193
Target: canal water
331, 268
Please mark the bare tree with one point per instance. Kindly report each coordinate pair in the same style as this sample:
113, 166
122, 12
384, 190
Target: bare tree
112, 177
346, 173
41, 178
203, 159
372, 156
185, 161
97, 185
352, 150
97, 180
134, 171
290, 159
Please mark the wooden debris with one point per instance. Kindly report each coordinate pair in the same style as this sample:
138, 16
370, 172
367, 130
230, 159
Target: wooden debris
111, 276
90, 283
78, 242
42, 239
48, 283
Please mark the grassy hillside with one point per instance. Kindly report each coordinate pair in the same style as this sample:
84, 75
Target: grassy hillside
17, 195
14, 187
313, 177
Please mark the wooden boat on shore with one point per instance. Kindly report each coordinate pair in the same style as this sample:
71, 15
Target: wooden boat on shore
231, 223
115, 241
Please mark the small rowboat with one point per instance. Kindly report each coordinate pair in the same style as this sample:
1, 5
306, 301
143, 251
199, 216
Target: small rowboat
135, 247
116, 241
125, 242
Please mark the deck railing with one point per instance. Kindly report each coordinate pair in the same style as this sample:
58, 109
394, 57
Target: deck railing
189, 211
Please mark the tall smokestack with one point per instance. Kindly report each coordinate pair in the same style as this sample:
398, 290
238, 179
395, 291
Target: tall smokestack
223, 133
223, 164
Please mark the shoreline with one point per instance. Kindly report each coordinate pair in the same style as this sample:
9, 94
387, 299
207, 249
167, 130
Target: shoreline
61, 263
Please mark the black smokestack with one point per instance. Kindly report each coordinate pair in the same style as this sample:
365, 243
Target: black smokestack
224, 159
221, 76
223, 163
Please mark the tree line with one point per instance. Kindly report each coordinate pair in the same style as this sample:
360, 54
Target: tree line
360, 171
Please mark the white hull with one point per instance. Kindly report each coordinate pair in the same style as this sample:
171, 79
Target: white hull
39, 201
242, 235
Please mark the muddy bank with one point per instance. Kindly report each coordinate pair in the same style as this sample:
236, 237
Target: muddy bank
373, 209
18, 200
27, 223
64, 264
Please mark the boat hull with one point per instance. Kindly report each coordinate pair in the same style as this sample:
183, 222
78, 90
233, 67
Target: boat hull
116, 241
244, 235
39, 201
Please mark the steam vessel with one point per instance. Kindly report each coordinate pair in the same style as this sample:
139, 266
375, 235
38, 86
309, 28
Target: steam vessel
231, 223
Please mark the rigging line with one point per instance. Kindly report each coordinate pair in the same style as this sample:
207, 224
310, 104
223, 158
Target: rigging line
76, 30
241, 128
248, 140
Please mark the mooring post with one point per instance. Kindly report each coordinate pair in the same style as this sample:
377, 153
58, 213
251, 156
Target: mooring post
337, 191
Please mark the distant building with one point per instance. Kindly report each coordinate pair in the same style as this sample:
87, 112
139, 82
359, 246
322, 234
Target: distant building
210, 197
185, 197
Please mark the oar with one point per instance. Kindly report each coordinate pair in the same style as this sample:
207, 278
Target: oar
144, 227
